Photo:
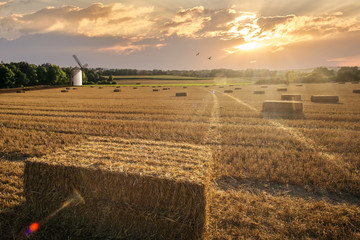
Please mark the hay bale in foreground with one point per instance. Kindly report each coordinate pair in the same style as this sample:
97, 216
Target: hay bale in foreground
325, 98
152, 190
291, 97
282, 106
356, 91
282, 89
259, 92
228, 91
181, 94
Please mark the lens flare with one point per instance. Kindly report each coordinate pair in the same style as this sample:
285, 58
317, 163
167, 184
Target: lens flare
32, 228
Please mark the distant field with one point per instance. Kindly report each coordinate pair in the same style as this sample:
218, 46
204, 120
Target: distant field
270, 178
161, 77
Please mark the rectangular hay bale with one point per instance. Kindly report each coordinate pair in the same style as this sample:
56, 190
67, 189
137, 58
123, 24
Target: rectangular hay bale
356, 91
291, 97
134, 188
282, 106
282, 89
259, 92
325, 98
228, 91
181, 94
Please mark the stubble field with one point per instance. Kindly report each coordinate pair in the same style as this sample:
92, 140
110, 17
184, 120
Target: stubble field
270, 178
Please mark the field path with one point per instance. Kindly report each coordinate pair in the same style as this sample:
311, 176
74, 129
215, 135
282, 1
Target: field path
212, 136
307, 142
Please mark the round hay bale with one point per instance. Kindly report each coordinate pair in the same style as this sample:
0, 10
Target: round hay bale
356, 91
117, 90
181, 94
291, 97
155, 90
282, 106
282, 89
228, 91
64, 90
325, 98
259, 92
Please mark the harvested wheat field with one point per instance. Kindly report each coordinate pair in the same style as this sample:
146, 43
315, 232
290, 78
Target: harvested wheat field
96, 164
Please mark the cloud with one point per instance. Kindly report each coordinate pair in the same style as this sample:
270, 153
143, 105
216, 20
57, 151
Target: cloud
96, 20
129, 48
186, 23
346, 61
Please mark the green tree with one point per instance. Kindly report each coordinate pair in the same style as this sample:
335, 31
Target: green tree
6, 77
348, 74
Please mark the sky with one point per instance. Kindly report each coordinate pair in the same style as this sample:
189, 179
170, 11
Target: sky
182, 34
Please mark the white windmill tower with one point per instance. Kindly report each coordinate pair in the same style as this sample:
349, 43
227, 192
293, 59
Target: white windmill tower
76, 73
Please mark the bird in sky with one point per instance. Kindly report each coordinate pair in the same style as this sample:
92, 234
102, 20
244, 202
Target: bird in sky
209, 58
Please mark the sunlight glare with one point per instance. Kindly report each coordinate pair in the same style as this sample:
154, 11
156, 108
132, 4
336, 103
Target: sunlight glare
248, 46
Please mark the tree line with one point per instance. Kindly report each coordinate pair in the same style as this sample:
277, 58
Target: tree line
23, 74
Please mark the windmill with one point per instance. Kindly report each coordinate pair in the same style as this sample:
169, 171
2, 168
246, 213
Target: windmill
76, 73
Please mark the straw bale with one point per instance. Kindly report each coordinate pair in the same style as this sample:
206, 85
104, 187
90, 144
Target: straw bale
20, 91
291, 97
117, 90
184, 87
68, 88
181, 94
138, 83
282, 89
74, 88
64, 90
356, 91
325, 98
228, 91
117, 86
155, 90
221, 86
238, 88
259, 92
298, 85
100, 87
165, 88
355, 82
264, 86
136, 188
134, 87
282, 106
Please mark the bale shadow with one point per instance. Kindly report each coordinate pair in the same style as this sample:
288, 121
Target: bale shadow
280, 189
281, 115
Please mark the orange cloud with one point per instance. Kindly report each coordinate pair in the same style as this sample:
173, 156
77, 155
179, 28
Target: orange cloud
129, 48
97, 20
346, 61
